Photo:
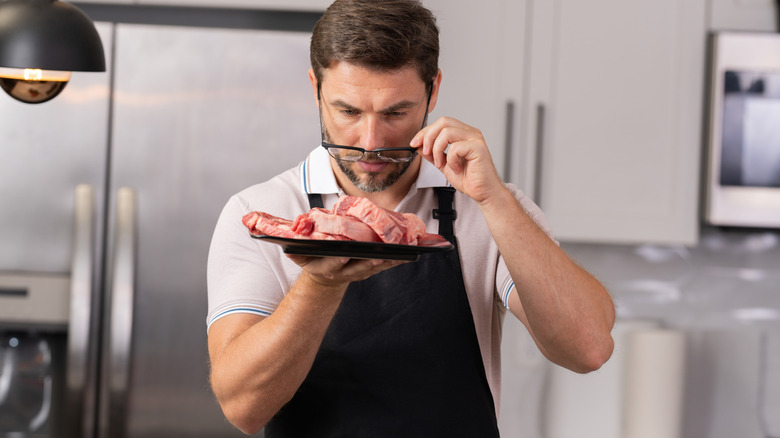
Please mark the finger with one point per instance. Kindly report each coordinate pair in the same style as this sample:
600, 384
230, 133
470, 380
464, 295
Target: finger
425, 138
358, 269
417, 140
449, 138
319, 264
370, 266
444, 141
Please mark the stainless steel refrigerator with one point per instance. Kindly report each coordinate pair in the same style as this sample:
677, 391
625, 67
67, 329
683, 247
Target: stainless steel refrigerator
108, 198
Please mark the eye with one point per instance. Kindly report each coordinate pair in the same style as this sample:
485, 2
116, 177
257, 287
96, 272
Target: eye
395, 114
349, 112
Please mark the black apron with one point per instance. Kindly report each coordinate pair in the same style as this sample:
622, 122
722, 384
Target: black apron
399, 359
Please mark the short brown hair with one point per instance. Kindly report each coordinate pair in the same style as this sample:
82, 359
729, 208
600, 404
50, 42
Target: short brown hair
381, 35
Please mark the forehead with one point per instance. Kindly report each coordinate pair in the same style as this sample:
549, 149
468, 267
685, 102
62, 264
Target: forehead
344, 77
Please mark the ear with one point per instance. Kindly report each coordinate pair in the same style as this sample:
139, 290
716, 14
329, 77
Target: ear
313, 80
435, 92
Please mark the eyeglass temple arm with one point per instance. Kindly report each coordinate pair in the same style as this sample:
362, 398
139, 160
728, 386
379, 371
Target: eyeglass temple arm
319, 113
427, 104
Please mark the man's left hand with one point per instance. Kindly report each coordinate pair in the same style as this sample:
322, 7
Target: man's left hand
460, 152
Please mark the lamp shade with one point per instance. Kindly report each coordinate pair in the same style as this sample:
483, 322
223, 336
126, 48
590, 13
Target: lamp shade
48, 35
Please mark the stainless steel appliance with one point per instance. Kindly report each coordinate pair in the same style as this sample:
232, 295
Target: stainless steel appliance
108, 198
743, 180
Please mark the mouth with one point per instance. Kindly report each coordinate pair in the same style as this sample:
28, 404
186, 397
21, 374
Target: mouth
372, 166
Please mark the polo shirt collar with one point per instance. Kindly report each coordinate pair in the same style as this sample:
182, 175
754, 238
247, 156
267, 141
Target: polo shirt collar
317, 176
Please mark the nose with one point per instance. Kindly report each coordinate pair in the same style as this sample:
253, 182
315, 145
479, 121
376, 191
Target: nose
373, 136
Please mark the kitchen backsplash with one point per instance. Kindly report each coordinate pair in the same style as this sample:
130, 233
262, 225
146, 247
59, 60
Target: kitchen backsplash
723, 294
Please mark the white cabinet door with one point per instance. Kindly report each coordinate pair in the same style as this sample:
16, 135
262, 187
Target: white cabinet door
481, 61
747, 15
615, 101
291, 5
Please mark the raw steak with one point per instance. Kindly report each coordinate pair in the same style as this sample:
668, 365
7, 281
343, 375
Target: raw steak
321, 221
352, 218
264, 224
260, 223
391, 226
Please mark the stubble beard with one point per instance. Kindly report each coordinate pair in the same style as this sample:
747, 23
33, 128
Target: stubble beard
372, 182
369, 182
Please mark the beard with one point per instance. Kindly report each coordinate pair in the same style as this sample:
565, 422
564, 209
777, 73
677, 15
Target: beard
372, 182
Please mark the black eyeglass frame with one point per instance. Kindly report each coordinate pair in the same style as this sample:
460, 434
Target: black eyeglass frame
376, 152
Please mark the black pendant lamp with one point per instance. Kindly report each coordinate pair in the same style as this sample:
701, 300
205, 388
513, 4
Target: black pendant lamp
41, 42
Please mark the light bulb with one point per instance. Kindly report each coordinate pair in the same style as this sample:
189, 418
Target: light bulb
33, 85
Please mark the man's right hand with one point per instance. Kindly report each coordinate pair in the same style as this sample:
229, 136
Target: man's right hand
340, 271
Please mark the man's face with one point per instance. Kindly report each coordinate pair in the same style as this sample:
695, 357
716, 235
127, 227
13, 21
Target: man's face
371, 110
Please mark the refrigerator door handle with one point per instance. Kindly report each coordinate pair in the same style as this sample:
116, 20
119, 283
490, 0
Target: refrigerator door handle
121, 311
79, 375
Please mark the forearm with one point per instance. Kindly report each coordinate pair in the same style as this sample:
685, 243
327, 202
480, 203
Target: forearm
567, 311
259, 371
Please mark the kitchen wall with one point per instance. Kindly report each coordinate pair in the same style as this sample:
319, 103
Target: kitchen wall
723, 294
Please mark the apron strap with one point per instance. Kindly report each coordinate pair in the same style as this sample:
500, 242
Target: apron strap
315, 200
445, 214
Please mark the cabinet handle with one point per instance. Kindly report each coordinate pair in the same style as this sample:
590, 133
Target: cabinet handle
541, 114
79, 375
508, 140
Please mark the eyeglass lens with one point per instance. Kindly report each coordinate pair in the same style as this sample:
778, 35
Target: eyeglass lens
399, 155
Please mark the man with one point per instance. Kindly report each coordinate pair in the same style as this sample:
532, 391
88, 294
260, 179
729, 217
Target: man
332, 346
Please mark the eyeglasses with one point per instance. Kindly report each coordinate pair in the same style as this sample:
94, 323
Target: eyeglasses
387, 155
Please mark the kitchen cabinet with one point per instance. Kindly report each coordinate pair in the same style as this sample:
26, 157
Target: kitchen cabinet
482, 58
744, 15
613, 118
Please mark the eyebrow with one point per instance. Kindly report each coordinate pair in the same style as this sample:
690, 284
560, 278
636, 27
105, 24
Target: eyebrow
404, 104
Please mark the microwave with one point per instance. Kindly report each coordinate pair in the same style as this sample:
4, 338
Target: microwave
743, 170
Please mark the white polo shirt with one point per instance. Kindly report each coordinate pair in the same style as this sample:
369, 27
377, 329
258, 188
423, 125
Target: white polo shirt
246, 275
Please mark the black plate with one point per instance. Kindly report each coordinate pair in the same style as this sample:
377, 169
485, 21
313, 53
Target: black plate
352, 249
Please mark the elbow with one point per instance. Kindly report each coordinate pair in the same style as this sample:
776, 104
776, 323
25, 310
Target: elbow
240, 409
583, 358
245, 425
595, 356
600, 358
601, 346
243, 419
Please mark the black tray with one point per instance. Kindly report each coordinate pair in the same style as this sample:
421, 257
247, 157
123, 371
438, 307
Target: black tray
352, 249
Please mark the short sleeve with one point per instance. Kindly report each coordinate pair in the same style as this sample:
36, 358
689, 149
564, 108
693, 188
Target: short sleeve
241, 276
